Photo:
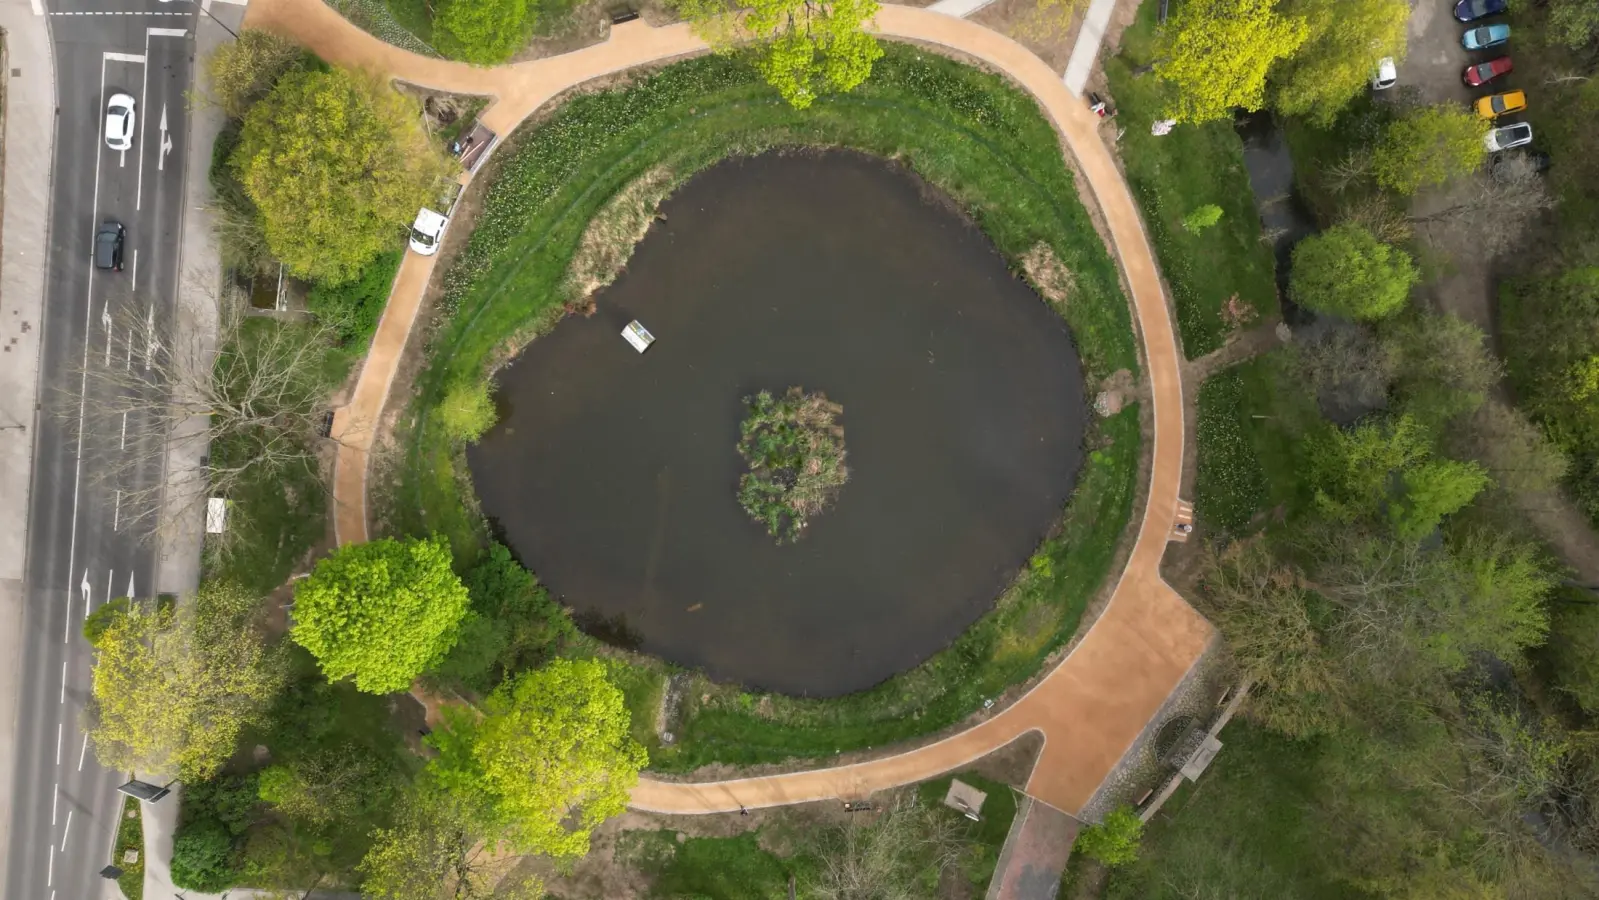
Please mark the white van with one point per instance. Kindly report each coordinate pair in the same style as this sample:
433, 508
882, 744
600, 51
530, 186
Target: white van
427, 231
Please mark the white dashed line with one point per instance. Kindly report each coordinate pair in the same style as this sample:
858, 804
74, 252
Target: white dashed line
63, 681
66, 831
59, 731
121, 13
83, 752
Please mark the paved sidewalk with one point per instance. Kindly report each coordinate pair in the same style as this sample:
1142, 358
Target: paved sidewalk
1095, 703
29, 110
1086, 51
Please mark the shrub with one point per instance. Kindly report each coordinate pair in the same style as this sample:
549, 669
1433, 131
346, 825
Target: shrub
1202, 218
467, 411
483, 31
1113, 842
1347, 272
353, 307
101, 619
202, 857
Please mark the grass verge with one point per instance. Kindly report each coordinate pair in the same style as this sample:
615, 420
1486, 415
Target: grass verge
967, 132
1173, 175
986, 837
130, 836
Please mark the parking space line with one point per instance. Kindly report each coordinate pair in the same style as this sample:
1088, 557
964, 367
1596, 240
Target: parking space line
163, 32
112, 56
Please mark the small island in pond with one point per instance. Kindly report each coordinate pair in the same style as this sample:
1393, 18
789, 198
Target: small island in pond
794, 448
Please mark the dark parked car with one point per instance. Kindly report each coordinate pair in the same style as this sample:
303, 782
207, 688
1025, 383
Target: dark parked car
1472, 10
1482, 73
108, 245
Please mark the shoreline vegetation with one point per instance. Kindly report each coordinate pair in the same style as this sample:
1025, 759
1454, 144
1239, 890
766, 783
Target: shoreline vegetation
968, 133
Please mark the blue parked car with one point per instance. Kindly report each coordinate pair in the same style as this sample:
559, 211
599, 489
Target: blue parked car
1485, 36
1472, 10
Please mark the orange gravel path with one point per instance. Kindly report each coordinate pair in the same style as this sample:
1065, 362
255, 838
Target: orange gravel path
1095, 703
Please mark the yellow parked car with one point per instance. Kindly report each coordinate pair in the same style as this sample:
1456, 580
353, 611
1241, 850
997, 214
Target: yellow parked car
1496, 105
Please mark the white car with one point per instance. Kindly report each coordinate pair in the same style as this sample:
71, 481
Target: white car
1387, 74
427, 231
119, 120
1507, 136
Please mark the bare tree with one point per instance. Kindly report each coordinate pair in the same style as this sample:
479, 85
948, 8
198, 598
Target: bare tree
1350, 368
248, 404
1487, 213
889, 858
1519, 456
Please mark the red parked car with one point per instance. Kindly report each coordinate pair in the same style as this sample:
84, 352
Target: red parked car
1482, 73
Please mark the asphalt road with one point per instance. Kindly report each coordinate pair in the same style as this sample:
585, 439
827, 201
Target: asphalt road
81, 548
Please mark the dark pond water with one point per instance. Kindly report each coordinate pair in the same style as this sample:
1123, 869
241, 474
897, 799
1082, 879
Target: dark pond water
1284, 216
612, 474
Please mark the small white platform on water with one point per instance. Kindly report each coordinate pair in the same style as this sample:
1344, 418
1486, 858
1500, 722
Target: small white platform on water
638, 336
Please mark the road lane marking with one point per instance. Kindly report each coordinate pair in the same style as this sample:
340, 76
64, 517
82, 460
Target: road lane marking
135, 284
83, 752
110, 574
130, 585
66, 831
63, 681
127, 366
87, 599
130, 12
111, 56
151, 345
144, 88
55, 800
105, 322
116, 518
125, 412
166, 32
60, 730
50, 876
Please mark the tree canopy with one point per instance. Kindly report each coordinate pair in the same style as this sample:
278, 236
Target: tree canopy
1217, 53
172, 689
550, 758
1428, 146
337, 164
1388, 465
1345, 40
380, 612
1347, 272
484, 31
243, 71
804, 48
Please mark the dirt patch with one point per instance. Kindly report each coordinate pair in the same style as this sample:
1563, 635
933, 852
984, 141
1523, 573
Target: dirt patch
1116, 392
1049, 275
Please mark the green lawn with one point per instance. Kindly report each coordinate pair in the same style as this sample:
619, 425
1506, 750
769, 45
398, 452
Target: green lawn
966, 131
1171, 176
1242, 832
415, 16
987, 836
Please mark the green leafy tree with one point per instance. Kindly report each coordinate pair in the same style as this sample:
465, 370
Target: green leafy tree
243, 71
1551, 330
326, 784
1114, 841
172, 690
97, 622
380, 612
1347, 272
804, 48
436, 851
1346, 39
1573, 23
550, 758
1573, 650
485, 32
1202, 218
467, 411
1444, 368
1429, 146
1216, 53
1432, 490
337, 164
513, 624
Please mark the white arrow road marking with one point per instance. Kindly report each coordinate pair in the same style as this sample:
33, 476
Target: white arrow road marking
166, 141
130, 586
105, 319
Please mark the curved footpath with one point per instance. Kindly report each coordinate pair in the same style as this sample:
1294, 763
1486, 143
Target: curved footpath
1097, 701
